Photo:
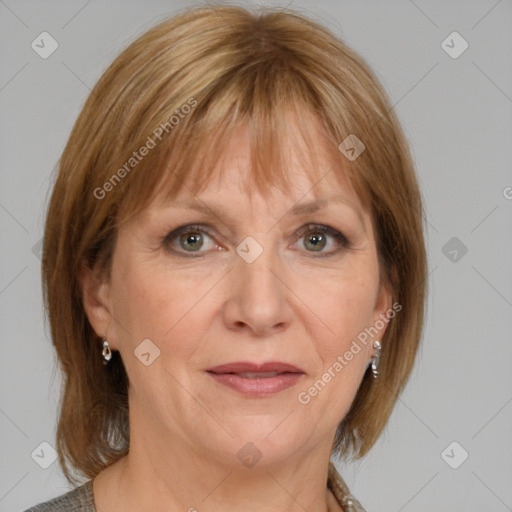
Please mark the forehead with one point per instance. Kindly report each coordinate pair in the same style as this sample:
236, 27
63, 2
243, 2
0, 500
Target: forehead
310, 167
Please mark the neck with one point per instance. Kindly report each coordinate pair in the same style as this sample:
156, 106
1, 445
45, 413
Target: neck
173, 476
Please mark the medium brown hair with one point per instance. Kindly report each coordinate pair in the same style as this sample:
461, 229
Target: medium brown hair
180, 90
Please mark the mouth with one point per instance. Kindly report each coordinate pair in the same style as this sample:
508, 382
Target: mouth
257, 375
257, 380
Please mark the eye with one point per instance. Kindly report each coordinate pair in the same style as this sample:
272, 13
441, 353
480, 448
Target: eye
189, 239
196, 239
316, 238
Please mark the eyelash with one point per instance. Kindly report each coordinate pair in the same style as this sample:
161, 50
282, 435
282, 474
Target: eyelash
340, 238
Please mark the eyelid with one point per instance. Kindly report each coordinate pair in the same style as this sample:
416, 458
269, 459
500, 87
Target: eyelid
323, 228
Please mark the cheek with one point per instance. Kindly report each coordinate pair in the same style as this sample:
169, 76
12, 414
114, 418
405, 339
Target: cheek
160, 305
346, 309
344, 303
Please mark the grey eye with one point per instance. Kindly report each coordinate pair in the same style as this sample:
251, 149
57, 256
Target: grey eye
191, 241
315, 241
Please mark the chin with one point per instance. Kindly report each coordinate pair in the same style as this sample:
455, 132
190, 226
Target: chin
262, 440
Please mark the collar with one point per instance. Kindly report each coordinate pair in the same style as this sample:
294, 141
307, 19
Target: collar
341, 491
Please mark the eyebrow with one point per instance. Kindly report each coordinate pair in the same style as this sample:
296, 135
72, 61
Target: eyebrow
297, 210
318, 204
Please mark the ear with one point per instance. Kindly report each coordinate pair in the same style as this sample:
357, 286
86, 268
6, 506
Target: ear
95, 290
382, 308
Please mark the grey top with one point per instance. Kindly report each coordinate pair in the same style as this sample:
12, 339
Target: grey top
81, 499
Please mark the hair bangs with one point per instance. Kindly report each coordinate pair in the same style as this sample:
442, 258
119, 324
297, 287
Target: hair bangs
280, 112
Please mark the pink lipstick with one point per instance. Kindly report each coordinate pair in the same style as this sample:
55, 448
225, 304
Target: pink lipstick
256, 380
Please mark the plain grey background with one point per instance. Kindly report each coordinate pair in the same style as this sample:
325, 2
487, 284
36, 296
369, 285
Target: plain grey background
457, 113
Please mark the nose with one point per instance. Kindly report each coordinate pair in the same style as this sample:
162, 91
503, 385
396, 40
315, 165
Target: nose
258, 298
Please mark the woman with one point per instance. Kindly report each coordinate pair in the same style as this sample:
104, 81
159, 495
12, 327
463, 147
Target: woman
233, 269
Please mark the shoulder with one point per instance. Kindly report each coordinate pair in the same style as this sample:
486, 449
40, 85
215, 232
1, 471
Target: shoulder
77, 500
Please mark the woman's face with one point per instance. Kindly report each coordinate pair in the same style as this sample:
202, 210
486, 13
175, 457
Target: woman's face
263, 280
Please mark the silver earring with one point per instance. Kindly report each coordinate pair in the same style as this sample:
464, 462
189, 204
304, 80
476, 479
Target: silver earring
106, 352
375, 358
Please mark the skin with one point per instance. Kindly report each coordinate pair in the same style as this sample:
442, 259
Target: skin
288, 305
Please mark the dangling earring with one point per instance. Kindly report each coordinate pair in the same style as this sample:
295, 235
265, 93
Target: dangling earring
375, 358
106, 352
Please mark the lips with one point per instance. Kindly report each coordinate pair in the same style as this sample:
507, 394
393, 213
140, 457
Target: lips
257, 380
253, 368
